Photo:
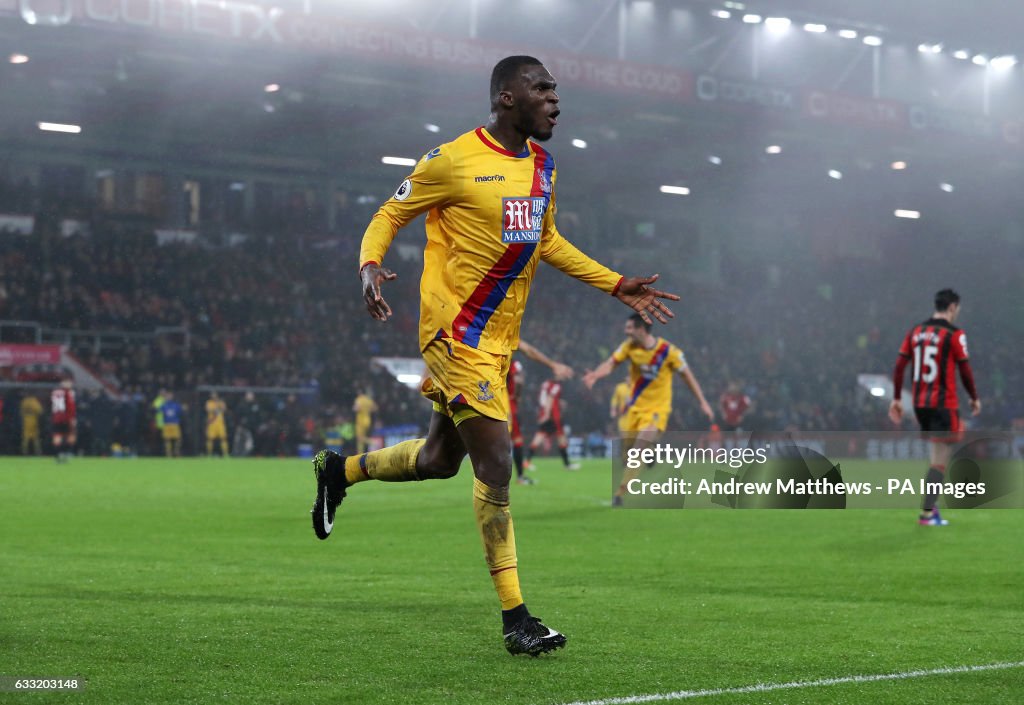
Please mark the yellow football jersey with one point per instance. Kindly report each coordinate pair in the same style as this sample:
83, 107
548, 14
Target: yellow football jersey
364, 406
650, 373
215, 409
490, 218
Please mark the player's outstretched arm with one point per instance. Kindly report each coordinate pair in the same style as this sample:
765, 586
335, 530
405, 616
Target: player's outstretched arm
636, 293
372, 275
599, 372
560, 370
694, 385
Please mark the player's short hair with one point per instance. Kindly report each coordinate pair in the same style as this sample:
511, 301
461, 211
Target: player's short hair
946, 298
638, 320
508, 69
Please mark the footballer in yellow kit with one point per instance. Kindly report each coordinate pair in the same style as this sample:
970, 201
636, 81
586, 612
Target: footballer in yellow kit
490, 218
617, 405
216, 426
364, 407
649, 403
472, 295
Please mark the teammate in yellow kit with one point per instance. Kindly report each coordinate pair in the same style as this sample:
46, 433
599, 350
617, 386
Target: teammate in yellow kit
652, 361
618, 406
31, 410
216, 424
364, 408
489, 197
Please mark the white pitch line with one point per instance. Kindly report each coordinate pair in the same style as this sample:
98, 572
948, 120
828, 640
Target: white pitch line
769, 687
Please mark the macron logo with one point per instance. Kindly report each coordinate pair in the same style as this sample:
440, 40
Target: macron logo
485, 179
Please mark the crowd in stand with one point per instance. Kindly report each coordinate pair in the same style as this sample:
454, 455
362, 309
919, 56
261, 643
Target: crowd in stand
273, 313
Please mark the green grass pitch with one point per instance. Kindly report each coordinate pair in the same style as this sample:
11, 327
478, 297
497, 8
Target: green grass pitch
200, 581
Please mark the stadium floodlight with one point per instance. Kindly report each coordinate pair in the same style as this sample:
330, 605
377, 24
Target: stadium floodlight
431, 127
675, 190
271, 88
579, 144
815, 28
848, 33
929, 48
773, 149
947, 187
979, 60
716, 160
902, 213
872, 41
409, 379
878, 391
18, 58
899, 165
721, 14
777, 24
59, 127
961, 54
1003, 62
398, 161
835, 174
752, 19
734, 5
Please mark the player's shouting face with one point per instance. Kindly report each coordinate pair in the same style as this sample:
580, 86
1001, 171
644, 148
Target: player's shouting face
534, 103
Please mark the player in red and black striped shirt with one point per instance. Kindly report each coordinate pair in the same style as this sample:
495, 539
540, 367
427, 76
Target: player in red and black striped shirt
936, 348
513, 383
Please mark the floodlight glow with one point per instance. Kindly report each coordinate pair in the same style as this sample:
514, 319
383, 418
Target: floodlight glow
271, 88
979, 60
901, 213
398, 161
872, 41
929, 48
431, 127
848, 33
777, 24
878, 391
676, 190
579, 144
59, 127
409, 379
717, 161
961, 54
899, 166
752, 19
835, 174
773, 149
18, 59
815, 28
1004, 62
721, 14
948, 188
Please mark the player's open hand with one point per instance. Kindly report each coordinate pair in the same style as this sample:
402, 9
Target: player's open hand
589, 378
635, 293
371, 276
896, 411
975, 407
562, 371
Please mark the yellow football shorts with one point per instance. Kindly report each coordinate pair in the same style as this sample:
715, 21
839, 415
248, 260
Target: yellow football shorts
216, 431
172, 432
636, 420
461, 375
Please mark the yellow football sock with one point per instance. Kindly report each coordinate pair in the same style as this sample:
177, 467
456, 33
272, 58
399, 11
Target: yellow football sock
395, 463
490, 506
